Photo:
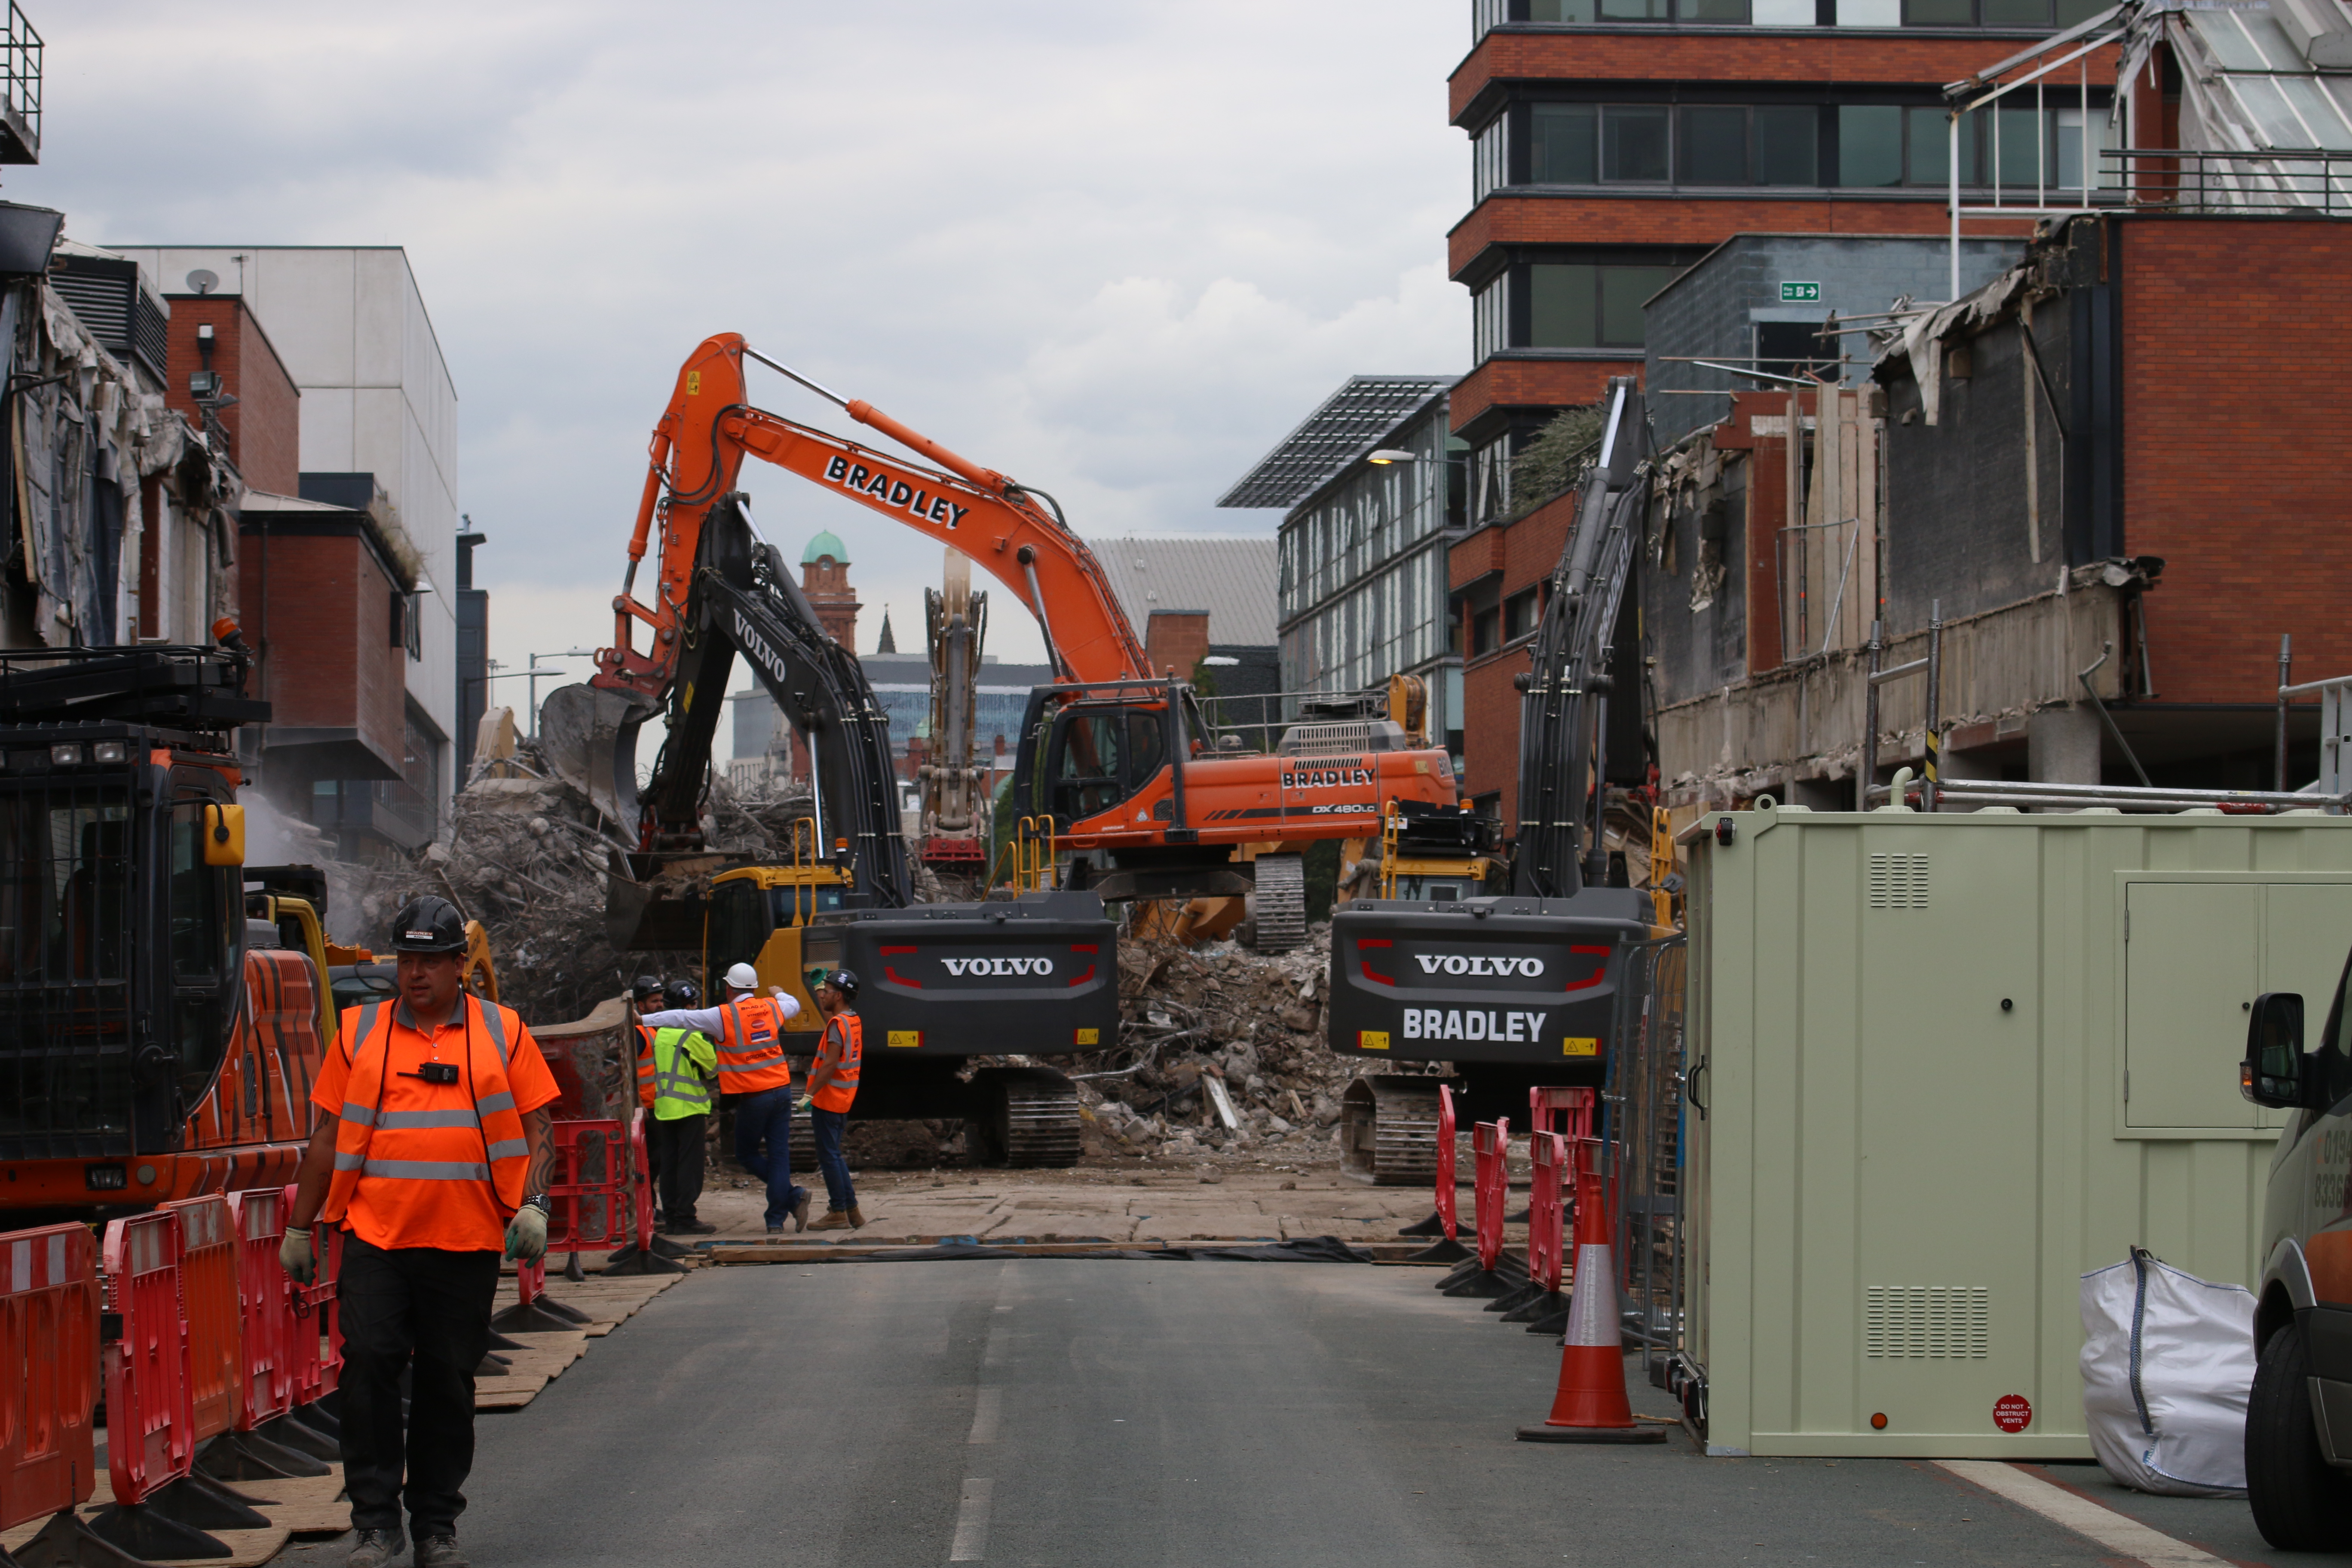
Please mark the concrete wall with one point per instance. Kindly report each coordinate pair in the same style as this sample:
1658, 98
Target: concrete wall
350, 323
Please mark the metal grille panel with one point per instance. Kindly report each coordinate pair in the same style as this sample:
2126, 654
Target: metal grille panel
1898, 881
1927, 1322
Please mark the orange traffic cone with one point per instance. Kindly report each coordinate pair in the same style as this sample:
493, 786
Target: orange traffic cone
1591, 1406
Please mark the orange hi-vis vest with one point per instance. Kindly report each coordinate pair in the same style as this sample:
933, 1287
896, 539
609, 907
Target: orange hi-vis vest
850, 1030
645, 1067
751, 1046
418, 1148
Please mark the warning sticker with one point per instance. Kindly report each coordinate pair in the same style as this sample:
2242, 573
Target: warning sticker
2012, 1413
1580, 1045
906, 1040
1372, 1039
1090, 1038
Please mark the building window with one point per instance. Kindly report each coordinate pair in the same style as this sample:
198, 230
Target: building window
1486, 631
1586, 305
1562, 144
1520, 614
1490, 318
2008, 15
1723, 145
1491, 159
1633, 142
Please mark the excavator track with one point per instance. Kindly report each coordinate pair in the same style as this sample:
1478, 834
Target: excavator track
1027, 1116
1281, 904
1388, 1131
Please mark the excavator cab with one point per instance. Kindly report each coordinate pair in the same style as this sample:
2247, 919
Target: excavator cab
1093, 753
757, 915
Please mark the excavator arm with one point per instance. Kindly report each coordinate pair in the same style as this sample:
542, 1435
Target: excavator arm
698, 448
1564, 711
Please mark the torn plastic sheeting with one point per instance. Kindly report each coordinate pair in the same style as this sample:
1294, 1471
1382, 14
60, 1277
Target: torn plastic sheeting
1305, 1249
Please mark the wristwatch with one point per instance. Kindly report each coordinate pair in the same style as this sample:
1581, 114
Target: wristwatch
539, 1201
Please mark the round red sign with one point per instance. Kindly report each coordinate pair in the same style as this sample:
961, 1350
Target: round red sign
2012, 1413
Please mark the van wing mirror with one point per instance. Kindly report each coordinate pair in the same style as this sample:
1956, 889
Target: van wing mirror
2273, 1071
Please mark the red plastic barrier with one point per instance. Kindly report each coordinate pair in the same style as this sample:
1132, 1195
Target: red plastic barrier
1546, 1213
1567, 1111
48, 1371
585, 1211
1445, 1133
1490, 1142
264, 1307
314, 1344
209, 1311
150, 1439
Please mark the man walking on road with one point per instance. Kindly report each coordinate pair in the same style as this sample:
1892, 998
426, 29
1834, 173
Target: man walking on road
684, 1065
432, 1152
832, 1090
757, 1081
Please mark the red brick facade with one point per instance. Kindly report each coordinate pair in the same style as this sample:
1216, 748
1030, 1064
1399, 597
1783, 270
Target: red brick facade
264, 425
1533, 382
325, 625
1176, 640
1485, 570
2227, 471
825, 582
1654, 54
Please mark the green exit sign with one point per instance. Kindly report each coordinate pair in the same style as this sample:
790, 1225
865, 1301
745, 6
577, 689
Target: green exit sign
1801, 293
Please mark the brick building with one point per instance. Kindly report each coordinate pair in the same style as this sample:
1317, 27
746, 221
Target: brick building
824, 579
1613, 143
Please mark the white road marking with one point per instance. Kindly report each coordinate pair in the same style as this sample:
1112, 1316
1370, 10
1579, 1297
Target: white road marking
2120, 1533
984, 1414
972, 1522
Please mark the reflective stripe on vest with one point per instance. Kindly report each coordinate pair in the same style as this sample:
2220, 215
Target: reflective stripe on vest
679, 1090
483, 1142
751, 1047
841, 1089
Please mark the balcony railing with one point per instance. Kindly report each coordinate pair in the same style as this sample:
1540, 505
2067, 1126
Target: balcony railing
2285, 182
20, 78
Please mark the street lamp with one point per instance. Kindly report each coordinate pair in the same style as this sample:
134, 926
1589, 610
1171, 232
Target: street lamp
535, 673
1388, 455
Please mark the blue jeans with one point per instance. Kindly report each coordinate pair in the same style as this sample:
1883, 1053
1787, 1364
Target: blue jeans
767, 1117
828, 1126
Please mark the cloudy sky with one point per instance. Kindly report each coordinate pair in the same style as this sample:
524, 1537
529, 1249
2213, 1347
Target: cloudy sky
1115, 250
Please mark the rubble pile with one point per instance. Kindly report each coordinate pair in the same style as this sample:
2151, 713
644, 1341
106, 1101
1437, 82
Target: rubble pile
1248, 1023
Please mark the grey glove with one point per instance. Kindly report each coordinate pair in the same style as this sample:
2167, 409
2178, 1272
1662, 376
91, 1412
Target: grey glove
527, 1235
294, 1256
804, 1102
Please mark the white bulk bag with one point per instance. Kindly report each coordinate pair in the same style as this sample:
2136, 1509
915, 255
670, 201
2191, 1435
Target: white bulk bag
2168, 1362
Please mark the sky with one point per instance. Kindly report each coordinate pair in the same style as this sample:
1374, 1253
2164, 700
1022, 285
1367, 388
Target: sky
1117, 252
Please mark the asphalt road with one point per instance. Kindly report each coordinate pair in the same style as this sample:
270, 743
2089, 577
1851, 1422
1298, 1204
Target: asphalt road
1095, 1413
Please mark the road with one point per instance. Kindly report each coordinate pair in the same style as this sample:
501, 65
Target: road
1092, 1414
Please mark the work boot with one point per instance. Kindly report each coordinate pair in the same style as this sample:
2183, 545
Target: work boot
377, 1548
693, 1227
834, 1219
800, 1212
856, 1218
440, 1552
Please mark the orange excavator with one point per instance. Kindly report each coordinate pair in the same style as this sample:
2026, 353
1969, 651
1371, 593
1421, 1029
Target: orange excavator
1152, 802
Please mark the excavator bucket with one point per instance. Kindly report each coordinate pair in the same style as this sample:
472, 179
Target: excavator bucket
588, 737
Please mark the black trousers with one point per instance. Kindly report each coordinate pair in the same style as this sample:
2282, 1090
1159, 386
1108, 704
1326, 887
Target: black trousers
675, 1150
424, 1312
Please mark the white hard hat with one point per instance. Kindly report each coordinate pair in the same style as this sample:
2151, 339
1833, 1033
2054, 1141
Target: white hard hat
743, 977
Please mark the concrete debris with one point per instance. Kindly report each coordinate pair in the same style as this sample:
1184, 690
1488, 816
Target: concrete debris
1210, 1022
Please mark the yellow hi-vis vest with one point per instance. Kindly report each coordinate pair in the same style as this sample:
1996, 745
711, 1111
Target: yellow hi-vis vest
684, 1064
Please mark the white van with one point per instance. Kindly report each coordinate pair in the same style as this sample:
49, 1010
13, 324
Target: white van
2299, 1421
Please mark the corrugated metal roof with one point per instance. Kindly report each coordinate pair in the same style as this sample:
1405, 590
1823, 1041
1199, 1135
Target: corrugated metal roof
1352, 421
1232, 579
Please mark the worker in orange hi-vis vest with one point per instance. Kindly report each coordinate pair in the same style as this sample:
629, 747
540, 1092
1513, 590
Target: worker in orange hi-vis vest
431, 1153
832, 1088
756, 1080
645, 993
